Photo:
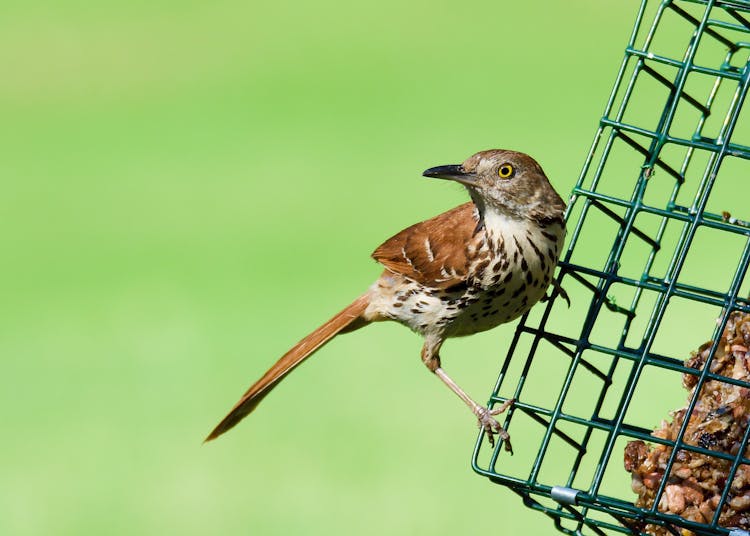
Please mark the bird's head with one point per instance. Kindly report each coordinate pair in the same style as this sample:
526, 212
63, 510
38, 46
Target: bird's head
508, 182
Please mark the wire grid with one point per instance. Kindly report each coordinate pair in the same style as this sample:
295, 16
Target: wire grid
653, 261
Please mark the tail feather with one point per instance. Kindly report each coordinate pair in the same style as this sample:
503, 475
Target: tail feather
350, 317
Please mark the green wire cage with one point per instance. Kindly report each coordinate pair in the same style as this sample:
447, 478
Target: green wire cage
655, 267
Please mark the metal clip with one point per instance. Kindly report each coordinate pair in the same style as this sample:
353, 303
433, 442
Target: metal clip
565, 495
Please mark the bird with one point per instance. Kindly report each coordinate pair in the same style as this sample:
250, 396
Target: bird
481, 264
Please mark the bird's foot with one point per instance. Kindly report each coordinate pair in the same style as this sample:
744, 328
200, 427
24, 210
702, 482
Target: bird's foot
487, 422
563, 295
557, 289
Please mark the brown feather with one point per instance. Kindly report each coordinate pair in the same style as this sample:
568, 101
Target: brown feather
433, 252
350, 317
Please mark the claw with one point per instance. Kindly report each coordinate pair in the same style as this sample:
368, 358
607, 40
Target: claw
564, 295
487, 422
557, 289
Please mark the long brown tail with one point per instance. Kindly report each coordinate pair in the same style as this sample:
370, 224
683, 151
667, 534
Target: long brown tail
350, 317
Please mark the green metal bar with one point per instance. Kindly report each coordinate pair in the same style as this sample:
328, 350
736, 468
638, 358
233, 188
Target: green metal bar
605, 425
705, 25
662, 300
725, 22
702, 198
742, 5
680, 65
705, 144
676, 212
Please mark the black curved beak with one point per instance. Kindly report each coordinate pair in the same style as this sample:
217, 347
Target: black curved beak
452, 173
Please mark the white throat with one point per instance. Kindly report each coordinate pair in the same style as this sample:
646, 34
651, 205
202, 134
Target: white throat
499, 224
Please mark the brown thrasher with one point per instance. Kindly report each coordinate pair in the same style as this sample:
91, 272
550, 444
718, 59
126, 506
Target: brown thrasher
467, 270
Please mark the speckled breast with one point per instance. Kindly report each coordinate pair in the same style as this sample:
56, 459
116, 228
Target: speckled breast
510, 273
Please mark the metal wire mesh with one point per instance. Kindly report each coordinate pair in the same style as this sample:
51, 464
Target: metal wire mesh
642, 222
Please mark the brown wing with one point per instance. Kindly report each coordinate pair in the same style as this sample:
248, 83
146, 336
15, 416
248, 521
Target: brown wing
433, 252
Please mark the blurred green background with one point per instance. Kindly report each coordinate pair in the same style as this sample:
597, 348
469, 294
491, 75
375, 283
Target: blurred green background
190, 187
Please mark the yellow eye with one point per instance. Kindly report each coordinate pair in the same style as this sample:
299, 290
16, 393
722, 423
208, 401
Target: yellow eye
505, 171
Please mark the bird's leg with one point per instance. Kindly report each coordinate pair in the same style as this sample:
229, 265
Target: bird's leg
486, 417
